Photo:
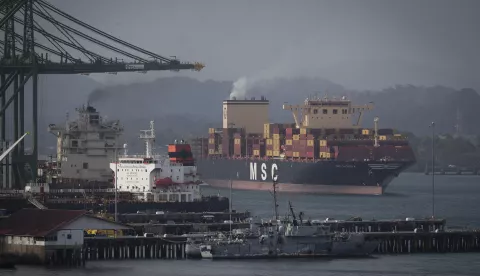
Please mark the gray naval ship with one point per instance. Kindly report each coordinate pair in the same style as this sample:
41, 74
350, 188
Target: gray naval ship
287, 239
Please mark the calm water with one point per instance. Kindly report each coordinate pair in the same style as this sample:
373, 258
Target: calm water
410, 195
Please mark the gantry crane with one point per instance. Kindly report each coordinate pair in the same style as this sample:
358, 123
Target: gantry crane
20, 63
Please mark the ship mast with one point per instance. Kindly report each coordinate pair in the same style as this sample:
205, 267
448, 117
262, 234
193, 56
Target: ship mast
230, 210
149, 137
376, 132
276, 215
275, 200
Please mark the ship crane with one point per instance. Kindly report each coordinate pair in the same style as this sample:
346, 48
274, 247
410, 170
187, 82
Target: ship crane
361, 109
23, 57
295, 222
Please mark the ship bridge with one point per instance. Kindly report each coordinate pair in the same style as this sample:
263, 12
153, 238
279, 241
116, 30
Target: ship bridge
327, 113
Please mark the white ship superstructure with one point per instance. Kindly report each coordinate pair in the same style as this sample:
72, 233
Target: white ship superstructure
85, 146
158, 178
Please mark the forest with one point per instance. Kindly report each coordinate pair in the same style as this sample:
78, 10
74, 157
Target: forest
449, 150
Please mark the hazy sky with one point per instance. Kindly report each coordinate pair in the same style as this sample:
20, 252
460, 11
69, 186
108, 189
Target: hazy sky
360, 44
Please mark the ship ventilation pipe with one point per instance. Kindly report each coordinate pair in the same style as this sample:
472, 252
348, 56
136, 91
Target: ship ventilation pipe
375, 121
125, 149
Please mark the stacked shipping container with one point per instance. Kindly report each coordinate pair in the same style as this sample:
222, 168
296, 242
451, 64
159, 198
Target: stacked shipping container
200, 147
214, 142
302, 143
275, 139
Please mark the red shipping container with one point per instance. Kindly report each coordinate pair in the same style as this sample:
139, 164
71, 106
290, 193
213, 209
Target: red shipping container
310, 154
303, 136
303, 143
289, 147
288, 131
289, 153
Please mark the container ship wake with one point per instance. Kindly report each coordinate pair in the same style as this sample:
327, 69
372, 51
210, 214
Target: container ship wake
323, 152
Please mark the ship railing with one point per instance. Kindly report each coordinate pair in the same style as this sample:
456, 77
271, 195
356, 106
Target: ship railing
2, 191
36, 203
303, 159
155, 156
81, 191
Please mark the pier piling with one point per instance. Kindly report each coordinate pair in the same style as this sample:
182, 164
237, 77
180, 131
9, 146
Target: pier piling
426, 242
134, 248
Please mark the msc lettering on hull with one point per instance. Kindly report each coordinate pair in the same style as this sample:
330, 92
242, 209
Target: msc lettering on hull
264, 171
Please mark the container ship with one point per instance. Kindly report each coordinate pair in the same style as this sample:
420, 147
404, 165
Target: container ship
89, 163
324, 151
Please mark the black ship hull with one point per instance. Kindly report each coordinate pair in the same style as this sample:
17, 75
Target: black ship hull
322, 177
213, 204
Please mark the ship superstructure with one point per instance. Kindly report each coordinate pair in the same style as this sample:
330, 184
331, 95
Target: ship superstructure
326, 150
147, 182
85, 146
158, 178
327, 112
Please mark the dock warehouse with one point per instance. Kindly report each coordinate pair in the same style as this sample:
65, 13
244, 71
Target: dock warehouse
48, 235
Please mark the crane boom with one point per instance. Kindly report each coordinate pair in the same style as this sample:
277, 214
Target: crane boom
5, 153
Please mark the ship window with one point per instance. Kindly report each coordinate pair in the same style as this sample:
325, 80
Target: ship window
335, 111
85, 165
325, 111
315, 111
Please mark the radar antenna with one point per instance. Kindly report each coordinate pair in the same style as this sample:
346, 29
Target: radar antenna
149, 137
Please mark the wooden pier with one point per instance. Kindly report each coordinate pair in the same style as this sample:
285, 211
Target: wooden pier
428, 225
206, 217
134, 248
185, 228
426, 242
174, 247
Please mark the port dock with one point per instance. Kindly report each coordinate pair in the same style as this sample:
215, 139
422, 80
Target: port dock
427, 242
176, 217
174, 247
387, 225
185, 228
100, 248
